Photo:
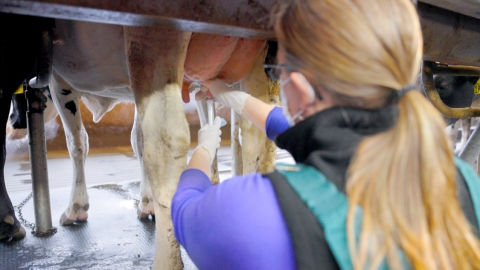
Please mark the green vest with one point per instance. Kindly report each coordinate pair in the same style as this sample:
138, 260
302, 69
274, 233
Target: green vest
331, 207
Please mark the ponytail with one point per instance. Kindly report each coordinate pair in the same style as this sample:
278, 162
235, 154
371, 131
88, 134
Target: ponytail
404, 180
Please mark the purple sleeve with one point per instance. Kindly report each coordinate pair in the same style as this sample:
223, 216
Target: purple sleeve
276, 123
237, 224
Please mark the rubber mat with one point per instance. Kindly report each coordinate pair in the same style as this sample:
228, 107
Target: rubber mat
112, 238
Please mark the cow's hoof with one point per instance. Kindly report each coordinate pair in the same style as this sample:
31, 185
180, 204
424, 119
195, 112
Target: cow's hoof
142, 215
78, 215
64, 221
18, 235
145, 208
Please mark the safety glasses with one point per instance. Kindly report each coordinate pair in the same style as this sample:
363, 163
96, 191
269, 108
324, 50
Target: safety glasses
274, 71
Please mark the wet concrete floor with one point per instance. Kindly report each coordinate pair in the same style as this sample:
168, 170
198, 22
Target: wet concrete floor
113, 237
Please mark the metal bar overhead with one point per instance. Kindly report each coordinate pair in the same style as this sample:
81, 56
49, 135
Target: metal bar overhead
451, 28
245, 18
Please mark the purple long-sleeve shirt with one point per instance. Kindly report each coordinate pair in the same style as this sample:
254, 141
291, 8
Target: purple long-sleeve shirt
237, 224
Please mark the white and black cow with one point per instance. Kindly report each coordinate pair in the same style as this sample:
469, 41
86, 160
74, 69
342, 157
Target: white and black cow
104, 64
17, 122
112, 63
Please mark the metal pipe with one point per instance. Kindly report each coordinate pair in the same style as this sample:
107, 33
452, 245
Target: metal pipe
242, 18
455, 70
210, 117
472, 148
431, 68
466, 7
237, 159
450, 37
38, 160
206, 114
202, 112
210, 112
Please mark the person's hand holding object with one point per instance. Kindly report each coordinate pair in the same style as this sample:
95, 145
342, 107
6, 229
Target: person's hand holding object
223, 94
209, 138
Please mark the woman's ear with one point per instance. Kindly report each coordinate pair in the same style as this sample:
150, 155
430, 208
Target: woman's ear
305, 89
306, 95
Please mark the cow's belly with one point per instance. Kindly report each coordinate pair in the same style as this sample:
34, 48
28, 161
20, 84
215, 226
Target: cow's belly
90, 57
118, 92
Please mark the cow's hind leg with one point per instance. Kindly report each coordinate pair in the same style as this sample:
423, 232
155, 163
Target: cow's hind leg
257, 150
145, 206
67, 102
9, 225
156, 57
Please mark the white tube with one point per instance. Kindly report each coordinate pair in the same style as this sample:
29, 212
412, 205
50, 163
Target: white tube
210, 111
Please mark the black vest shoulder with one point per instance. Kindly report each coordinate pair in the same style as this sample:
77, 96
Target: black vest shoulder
308, 238
309, 243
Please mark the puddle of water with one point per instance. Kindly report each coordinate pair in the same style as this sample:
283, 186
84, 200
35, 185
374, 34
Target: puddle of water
128, 204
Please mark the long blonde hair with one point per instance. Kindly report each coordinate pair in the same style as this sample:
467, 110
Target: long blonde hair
404, 179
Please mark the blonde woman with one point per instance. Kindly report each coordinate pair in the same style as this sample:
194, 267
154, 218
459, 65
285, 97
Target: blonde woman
375, 186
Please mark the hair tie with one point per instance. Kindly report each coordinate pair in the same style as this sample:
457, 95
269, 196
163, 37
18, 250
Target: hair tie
406, 89
396, 95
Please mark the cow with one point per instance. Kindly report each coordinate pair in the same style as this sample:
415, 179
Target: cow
104, 64
255, 145
457, 92
20, 40
113, 63
17, 122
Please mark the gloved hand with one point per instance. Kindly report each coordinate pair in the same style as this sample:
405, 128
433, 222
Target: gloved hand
225, 95
209, 138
